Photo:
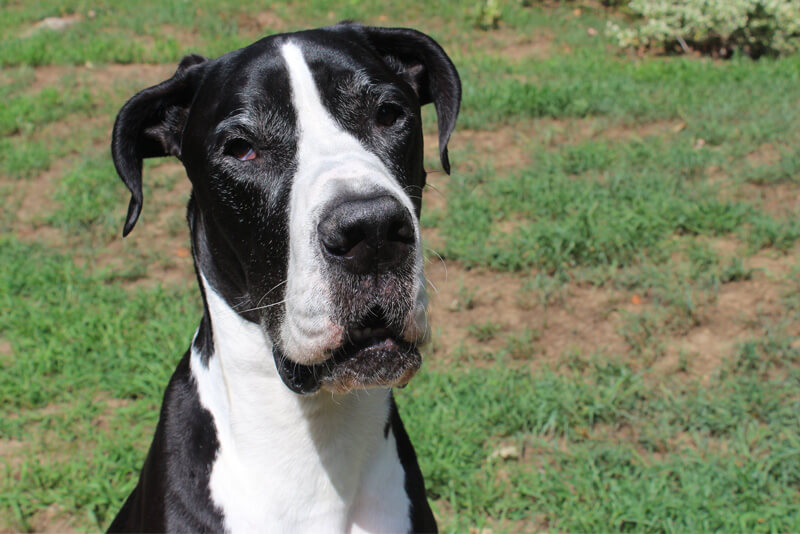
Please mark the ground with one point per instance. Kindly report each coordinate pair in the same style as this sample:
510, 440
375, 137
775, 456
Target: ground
613, 268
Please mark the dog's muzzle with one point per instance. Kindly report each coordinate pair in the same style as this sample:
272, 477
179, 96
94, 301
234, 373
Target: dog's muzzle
368, 246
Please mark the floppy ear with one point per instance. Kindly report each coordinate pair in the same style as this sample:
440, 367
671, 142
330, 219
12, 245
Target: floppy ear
428, 69
151, 125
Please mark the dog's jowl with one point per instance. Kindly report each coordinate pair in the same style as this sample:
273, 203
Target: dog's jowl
304, 151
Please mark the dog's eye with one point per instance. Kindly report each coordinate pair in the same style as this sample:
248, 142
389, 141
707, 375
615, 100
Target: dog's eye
240, 149
388, 114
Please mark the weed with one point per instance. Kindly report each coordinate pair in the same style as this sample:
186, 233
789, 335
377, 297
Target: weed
484, 331
467, 296
521, 345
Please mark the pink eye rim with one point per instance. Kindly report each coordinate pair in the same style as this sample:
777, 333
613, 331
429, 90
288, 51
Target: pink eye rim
241, 150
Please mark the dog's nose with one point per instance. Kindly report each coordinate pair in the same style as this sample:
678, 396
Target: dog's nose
367, 235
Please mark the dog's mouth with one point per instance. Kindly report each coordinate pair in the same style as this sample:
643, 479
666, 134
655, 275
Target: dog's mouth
373, 355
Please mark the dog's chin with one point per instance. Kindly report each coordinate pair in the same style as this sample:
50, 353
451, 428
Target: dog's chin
371, 362
374, 362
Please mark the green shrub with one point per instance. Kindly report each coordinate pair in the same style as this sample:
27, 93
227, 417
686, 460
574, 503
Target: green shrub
486, 15
718, 27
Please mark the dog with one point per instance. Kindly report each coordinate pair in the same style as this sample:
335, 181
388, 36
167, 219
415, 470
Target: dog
305, 155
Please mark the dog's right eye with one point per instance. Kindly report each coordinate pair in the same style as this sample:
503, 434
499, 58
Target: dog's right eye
240, 149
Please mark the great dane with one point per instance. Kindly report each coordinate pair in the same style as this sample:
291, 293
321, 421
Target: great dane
304, 151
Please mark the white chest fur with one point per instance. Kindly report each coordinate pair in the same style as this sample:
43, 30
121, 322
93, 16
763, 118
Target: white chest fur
291, 463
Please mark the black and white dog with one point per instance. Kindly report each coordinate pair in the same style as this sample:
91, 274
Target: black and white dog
304, 151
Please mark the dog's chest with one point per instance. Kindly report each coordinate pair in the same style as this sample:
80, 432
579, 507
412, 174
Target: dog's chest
298, 494
283, 468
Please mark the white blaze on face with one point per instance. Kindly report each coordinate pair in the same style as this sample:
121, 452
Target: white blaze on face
330, 161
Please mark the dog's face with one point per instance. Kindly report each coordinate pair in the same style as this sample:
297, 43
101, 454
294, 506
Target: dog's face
305, 156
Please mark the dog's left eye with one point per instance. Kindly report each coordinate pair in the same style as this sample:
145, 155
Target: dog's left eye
240, 149
388, 114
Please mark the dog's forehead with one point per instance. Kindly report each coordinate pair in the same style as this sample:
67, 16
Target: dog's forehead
257, 76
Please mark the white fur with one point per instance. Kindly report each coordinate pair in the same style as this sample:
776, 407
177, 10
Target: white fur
291, 463
330, 161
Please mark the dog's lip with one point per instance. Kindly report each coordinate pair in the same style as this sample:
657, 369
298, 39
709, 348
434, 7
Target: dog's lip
375, 361
362, 344
371, 356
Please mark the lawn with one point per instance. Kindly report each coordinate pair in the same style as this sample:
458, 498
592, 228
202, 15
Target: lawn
615, 265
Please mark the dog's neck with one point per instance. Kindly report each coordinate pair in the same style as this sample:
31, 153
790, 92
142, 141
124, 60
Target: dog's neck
282, 454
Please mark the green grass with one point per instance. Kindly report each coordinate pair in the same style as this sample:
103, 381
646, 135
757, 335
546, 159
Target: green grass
598, 204
76, 332
740, 473
605, 441
25, 112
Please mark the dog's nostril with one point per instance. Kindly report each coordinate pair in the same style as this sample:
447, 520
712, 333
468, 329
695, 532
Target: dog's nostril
339, 243
367, 235
401, 230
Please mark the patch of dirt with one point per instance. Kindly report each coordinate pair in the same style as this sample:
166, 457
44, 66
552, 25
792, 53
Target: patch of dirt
188, 39
729, 321
32, 199
49, 76
161, 233
160, 236
52, 519
507, 147
261, 23
766, 154
726, 246
10, 452
781, 199
626, 132
514, 46
574, 131
37, 201
583, 319
99, 77
102, 421
773, 264
678, 443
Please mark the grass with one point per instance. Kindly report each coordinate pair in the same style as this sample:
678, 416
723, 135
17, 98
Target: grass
667, 183
582, 476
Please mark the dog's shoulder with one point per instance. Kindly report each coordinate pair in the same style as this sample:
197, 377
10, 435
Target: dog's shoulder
178, 466
422, 519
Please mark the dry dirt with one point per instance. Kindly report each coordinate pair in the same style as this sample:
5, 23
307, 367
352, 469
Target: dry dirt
588, 320
508, 44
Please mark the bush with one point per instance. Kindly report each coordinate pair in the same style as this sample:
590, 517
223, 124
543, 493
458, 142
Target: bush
717, 27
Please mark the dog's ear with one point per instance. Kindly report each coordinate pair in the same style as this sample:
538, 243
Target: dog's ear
151, 125
428, 69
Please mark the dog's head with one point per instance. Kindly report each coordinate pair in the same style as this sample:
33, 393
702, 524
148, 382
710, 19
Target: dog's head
305, 155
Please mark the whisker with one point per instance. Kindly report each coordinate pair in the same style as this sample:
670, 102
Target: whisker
267, 306
435, 290
434, 188
444, 263
279, 284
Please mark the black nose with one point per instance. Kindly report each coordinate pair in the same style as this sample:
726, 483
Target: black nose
367, 235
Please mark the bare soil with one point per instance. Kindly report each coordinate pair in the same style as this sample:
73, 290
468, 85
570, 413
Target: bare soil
586, 320
261, 23
511, 45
